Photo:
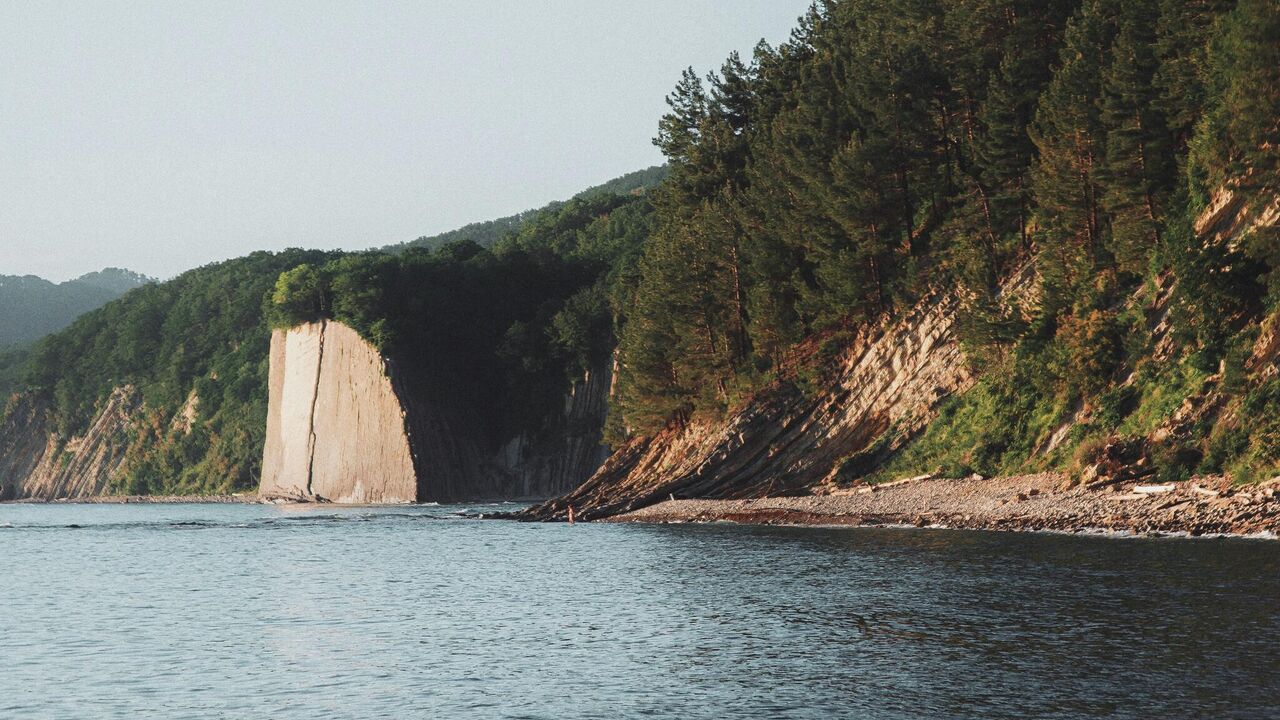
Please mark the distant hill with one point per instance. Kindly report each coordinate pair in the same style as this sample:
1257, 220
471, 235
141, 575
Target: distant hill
486, 233
32, 307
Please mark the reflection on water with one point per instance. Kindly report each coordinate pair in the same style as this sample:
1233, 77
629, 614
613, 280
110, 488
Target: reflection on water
172, 611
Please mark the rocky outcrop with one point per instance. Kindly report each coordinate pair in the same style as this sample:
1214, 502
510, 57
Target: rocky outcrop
345, 424
37, 463
562, 455
883, 388
1228, 218
335, 428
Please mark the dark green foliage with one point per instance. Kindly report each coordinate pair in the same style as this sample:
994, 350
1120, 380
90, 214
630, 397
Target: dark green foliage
496, 334
1237, 142
13, 371
828, 182
892, 148
162, 337
889, 150
501, 331
486, 233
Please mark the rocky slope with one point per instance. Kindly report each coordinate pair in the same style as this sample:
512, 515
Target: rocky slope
343, 425
787, 441
36, 463
561, 455
347, 425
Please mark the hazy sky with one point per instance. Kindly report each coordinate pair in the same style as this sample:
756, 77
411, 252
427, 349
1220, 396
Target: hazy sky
163, 135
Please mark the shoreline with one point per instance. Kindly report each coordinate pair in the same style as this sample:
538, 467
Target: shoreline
1027, 503
1043, 502
238, 498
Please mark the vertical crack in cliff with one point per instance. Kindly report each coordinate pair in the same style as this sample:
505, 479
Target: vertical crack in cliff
311, 417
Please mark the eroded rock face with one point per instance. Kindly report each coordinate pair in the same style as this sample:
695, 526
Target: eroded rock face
35, 463
336, 429
885, 387
539, 465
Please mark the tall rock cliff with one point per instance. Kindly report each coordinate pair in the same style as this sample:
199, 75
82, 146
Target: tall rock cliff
335, 427
561, 454
346, 424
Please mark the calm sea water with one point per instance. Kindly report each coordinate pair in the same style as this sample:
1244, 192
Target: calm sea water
212, 611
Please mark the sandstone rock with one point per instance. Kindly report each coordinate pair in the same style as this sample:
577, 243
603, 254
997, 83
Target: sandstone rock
336, 428
884, 387
37, 463
1088, 474
345, 424
867, 405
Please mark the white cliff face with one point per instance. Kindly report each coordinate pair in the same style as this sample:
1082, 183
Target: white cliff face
335, 427
343, 426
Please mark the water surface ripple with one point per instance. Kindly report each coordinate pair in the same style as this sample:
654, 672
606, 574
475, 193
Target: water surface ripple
245, 611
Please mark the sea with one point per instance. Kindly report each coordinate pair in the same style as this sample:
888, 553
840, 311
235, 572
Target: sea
262, 611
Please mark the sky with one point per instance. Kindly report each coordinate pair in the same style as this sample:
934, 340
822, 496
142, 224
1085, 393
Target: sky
161, 136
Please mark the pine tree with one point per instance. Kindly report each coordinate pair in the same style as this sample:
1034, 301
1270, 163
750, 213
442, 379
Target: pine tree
1070, 138
1139, 170
1239, 140
678, 129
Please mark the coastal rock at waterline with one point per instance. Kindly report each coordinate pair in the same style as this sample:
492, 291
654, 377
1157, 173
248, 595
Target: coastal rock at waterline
335, 426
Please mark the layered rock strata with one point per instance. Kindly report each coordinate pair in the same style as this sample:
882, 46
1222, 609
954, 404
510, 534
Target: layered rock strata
38, 464
885, 387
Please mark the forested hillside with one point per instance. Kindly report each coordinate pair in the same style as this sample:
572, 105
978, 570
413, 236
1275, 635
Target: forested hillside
894, 147
31, 307
486, 233
501, 331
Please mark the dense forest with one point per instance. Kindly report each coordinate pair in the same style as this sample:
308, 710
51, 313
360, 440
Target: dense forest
893, 147
501, 330
889, 151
